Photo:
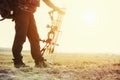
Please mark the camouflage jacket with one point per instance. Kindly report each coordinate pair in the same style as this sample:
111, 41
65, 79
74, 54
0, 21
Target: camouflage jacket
28, 5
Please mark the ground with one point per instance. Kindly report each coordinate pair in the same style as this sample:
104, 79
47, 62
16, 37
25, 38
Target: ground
65, 67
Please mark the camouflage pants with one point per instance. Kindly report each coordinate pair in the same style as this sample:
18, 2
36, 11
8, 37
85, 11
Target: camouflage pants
25, 26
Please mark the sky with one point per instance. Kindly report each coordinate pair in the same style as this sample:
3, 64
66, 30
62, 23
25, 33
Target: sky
89, 26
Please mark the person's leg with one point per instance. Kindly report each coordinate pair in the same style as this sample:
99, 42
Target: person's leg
21, 27
33, 37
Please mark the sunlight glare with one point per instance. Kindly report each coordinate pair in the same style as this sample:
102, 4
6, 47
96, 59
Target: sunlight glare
89, 17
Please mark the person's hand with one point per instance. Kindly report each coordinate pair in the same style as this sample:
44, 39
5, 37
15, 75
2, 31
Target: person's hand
59, 10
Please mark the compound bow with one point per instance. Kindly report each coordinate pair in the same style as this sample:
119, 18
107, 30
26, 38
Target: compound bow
52, 36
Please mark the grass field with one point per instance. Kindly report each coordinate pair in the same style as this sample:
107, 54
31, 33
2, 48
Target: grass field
65, 67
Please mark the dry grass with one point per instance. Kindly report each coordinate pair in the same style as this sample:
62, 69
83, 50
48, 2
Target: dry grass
66, 67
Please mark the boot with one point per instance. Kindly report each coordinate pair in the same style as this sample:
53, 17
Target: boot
18, 63
40, 64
